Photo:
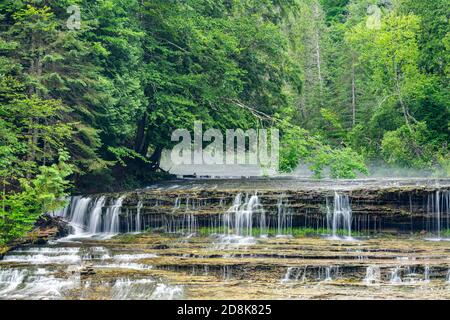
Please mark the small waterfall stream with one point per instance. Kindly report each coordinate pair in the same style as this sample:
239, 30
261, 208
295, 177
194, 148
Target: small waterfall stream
339, 217
373, 275
438, 208
239, 218
284, 217
89, 216
138, 226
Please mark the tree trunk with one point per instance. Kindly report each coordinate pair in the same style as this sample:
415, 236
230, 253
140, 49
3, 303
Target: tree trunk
140, 135
155, 158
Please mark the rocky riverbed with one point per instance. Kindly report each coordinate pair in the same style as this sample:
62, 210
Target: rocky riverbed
151, 266
250, 239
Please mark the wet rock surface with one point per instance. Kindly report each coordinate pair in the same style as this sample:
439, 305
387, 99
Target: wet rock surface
247, 239
129, 267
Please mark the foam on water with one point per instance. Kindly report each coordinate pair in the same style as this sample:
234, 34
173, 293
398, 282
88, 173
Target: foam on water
26, 284
127, 289
373, 275
167, 292
39, 258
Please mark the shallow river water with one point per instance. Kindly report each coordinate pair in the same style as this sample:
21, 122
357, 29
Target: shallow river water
253, 247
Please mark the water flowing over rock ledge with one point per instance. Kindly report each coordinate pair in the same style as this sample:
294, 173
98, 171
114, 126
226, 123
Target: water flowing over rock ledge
272, 239
409, 205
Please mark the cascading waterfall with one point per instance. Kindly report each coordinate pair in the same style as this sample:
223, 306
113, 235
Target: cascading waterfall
331, 272
138, 227
426, 275
284, 218
95, 221
240, 216
177, 204
395, 276
112, 217
228, 216
295, 274
438, 208
167, 292
77, 213
373, 275
340, 217
10, 279
92, 215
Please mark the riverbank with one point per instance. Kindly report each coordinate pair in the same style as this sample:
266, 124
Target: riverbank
171, 266
242, 239
46, 228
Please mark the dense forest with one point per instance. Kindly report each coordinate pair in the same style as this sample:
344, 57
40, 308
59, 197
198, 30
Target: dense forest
352, 85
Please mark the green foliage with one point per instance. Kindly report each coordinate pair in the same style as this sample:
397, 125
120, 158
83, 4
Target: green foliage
111, 93
342, 163
443, 167
407, 147
19, 210
300, 147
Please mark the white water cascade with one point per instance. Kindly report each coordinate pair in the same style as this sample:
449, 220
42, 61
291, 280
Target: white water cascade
90, 216
395, 276
340, 216
94, 225
77, 213
284, 218
112, 217
438, 208
427, 273
138, 227
295, 274
373, 275
240, 217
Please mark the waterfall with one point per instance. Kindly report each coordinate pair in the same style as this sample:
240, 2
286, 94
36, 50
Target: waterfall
289, 274
77, 213
330, 272
227, 273
340, 217
294, 274
426, 275
438, 208
373, 275
189, 224
94, 225
395, 276
240, 216
167, 292
284, 218
138, 227
92, 216
112, 217
177, 204
10, 279
126, 289
243, 217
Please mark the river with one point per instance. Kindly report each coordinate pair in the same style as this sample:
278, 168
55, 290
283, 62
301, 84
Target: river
245, 239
